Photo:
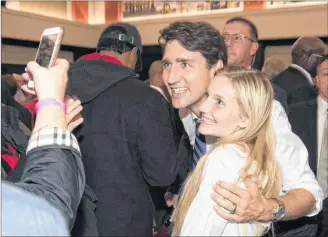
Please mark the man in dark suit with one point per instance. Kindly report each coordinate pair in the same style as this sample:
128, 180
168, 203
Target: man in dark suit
309, 122
127, 141
296, 80
241, 38
185, 150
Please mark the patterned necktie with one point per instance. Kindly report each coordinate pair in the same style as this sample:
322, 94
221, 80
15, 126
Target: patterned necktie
323, 162
199, 145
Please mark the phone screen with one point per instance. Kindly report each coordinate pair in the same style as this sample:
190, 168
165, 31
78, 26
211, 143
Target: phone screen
46, 48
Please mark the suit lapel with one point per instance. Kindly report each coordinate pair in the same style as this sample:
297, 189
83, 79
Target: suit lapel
299, 74
312, 135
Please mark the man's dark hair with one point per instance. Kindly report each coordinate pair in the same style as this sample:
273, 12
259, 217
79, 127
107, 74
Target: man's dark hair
253, 29
196, 37
10, 82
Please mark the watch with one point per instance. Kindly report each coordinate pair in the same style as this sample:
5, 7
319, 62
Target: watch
280, 211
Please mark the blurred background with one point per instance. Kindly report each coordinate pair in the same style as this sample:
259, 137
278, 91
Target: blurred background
279, 23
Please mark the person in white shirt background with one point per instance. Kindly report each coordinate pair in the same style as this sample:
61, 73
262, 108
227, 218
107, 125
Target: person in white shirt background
192, 52
241, 121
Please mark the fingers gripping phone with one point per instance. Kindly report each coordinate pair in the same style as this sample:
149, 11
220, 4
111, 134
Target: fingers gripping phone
48, 49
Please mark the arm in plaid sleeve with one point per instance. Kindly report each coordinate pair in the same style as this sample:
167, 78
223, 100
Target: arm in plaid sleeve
54, 170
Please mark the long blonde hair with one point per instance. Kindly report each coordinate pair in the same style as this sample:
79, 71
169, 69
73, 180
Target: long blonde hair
254, 94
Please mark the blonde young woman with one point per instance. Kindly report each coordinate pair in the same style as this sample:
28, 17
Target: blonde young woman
237, 110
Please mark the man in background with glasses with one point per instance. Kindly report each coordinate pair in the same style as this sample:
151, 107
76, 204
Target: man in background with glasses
297, 79
241, 38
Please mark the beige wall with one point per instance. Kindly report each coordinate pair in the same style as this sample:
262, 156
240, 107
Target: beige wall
49, 8
272, 24
21, 55
26, 26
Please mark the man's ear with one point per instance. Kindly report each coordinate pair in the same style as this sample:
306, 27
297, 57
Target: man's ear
315, 80
219, 65
133, 54
255, 47
133, 58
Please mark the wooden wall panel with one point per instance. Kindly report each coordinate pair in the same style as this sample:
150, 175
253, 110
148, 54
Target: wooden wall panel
254, 5
80, 11
112, 11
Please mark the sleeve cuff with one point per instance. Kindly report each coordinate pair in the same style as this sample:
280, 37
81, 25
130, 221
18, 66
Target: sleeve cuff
50, 136
318, 195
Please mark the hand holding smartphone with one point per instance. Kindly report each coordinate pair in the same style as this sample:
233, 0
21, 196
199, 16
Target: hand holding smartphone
48, 49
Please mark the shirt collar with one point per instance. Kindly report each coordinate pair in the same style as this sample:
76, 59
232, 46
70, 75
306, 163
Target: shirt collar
304, 72
322, 105
98, 56
194, 116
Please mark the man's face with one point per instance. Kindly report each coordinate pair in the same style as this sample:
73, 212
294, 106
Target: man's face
322, 79
240, 47
186, 76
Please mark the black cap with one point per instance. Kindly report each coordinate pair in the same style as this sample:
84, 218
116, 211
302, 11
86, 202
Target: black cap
131, 35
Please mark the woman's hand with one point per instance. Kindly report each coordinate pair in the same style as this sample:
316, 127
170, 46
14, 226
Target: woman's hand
48, 83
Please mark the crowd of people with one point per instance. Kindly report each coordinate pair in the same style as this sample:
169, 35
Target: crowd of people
208, 146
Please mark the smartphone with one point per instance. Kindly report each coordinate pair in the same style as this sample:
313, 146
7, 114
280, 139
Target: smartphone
48, 49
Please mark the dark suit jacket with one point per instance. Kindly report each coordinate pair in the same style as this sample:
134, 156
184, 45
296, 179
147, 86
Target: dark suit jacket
281, 96
296, 85
303, 119
186, 157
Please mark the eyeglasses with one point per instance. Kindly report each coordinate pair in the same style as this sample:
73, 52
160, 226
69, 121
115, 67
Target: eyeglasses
310, 54
323, 74
237, 38
316, 55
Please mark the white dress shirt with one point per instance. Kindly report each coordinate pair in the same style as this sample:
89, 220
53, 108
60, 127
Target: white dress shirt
304, 72
321, 116
188, 119
223, 163
291, 154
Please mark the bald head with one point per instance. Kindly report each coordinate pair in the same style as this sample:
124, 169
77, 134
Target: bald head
273, 66
305, 52
155, 74
156, 79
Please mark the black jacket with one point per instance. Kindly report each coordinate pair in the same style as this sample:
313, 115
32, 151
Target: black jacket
296, 85
8, 99
186, 156
303, 118
281, 96
53, 172
127, 144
